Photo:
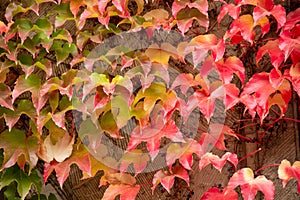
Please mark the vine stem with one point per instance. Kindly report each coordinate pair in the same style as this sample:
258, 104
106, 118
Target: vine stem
250, 154
266, 166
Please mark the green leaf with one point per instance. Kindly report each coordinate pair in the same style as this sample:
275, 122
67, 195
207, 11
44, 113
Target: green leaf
43, 23
18, 148
91, 133
23, 180
62, 51
108, 124
25, 59
10, 192
24, 107
33, 84
120, 110
64, 14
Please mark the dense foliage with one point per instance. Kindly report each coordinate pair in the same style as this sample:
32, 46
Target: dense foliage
67, 117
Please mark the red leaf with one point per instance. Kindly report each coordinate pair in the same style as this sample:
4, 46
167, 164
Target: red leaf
286, 172
231, 95
216, 136
277, 11
217, 194
261, 89
80, 157
250, 185
184, 24
186, 81
137, 158
206, 42
183, 152
243, 25
120, 184
126, 192
102, 5
230, 9
216, 161
153, 133
271, 47
167, 179
75, 5
3, 28
287, 43
293, 76
200, 5
228, 67
204, 99
264, 25
292, 19
121, 6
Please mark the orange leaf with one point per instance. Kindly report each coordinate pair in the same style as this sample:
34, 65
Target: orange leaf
286, 172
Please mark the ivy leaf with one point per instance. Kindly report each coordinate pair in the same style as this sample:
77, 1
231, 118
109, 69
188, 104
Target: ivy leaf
153, 133
156, 92
33, 84
183, 152
185, 19
216, 136
230, 9
162, 53
64, 14
12, 117
13, 9
271, 47
186, 81
203, 98
64, 85
225, 67
57, 145
137, 158
80, 156
205, 43
10, 192
216, 161
18, 148
264, 24
167, 179
122, 7
286, 172
62, 51
108, 124
217, 194
292, 19
250, 185
90, 132
3, 27
120, 184
267, 8
75, 5
126, 192
244, 26
287, 43
157, 18
5, 96
200, 5
263, 88
23, 180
